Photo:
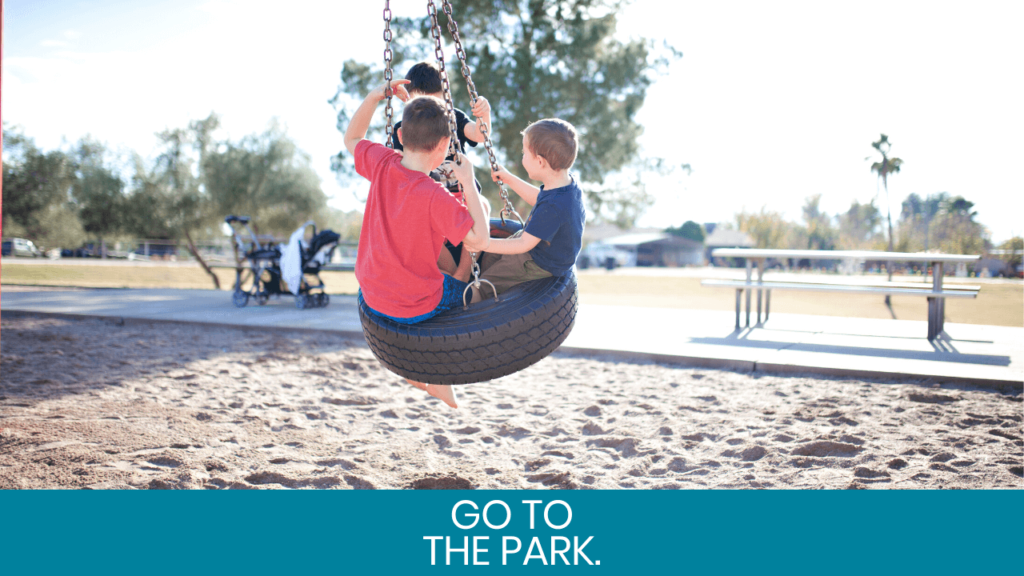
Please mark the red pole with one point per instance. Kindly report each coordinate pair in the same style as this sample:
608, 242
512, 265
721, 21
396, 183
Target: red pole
1, 107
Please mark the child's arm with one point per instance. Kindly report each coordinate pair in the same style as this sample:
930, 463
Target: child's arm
479, 236
525, 190
360, 122
482, 110
518, 245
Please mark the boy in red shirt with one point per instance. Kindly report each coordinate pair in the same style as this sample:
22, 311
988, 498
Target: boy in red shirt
409, 216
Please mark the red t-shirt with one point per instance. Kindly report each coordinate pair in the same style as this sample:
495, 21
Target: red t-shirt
408, 216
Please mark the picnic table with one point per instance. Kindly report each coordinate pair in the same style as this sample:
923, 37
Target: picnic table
936, 295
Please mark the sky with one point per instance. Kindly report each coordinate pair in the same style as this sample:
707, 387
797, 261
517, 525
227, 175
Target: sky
772, 102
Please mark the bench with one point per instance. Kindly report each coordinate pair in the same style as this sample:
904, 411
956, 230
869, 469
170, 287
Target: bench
936, 294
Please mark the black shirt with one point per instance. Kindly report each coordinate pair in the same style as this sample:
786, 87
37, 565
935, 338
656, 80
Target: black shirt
460, 129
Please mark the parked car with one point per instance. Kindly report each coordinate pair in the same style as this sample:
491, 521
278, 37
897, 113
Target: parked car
159, 251
20, 247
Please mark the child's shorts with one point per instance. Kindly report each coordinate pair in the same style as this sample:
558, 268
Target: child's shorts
507, 270
451, 298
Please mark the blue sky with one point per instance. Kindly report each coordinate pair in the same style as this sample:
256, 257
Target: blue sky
771, 103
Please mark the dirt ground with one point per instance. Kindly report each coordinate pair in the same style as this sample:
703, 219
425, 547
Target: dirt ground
95, 404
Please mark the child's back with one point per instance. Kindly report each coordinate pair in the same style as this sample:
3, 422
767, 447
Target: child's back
407, 217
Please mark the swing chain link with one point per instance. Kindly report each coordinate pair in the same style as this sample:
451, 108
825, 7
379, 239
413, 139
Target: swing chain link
453, 29
435, 32
388, 75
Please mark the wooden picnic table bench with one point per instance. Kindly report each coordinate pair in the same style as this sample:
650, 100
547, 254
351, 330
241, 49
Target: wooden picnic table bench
936, 294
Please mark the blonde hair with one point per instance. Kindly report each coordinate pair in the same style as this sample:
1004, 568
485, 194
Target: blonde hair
553, 140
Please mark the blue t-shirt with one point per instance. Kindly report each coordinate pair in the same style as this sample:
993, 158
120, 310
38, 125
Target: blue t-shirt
557, 219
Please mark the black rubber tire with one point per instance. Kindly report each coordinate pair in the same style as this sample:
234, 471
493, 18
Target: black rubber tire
487, 341
239, 298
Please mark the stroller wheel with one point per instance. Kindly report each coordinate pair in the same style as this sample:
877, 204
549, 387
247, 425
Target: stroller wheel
301, 301
324, 300
262, 298
239, 298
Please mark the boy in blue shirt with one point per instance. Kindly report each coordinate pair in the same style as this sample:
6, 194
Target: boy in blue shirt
553, 236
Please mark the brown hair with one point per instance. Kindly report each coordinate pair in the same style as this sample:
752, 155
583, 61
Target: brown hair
424, 124
553, 140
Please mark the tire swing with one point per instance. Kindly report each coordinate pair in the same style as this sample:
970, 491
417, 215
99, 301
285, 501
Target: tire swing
490, 339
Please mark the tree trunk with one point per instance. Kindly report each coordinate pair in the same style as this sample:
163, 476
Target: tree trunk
888, 216
195, 254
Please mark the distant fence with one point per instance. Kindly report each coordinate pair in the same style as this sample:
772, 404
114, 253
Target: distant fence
219, 251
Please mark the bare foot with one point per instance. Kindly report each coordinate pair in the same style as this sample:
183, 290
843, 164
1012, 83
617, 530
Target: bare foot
443, 392
419, 385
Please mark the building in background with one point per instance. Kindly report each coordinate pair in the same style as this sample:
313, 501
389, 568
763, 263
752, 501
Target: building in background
721, 237
644, 249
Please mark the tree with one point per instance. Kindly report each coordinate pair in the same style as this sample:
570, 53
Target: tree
858, 227
36, 186
956, 230
884, 168
820, 234
689, 230
97, 190
264, 176
768, 229
543, 58
916, 216
1013, 247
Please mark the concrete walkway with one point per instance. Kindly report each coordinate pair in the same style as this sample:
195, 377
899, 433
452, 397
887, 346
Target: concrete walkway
990, 356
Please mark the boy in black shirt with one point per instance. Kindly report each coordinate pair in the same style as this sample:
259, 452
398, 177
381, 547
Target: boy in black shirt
425, 80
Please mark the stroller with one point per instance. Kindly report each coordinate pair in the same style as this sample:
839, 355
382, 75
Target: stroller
269, 265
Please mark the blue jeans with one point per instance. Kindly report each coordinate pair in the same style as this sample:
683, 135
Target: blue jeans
452, 297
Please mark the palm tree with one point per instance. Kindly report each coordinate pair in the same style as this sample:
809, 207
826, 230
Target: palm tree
883, 169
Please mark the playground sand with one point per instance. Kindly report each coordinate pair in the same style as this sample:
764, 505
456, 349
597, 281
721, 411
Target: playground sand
94, 404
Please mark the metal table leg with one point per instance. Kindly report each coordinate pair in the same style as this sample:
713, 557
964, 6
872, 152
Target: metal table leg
760, 278
935, 304
739, 293
749, 270
940, 304
767, 303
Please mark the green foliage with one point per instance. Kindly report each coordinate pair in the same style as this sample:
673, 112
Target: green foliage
689, 230
887, 165
940, 222
197, 180
97, 190
818, 229
1014, 246
535, 59
859, 227
33, 182
768, 229
61, 227
264, 176
346, 224
62, 199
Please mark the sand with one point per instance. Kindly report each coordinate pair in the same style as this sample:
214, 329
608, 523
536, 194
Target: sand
95, 404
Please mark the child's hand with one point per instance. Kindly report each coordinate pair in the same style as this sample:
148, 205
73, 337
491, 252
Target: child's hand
397, 86
501, 173
482, 110
464, 171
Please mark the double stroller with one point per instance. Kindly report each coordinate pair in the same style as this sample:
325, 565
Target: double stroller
267, 269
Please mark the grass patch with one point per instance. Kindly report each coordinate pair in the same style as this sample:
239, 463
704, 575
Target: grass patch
997, 304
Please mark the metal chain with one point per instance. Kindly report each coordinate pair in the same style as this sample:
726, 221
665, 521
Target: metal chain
388, 75
435, 31
453, 29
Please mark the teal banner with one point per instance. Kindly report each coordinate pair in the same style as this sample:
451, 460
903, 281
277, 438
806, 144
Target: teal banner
595, 532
